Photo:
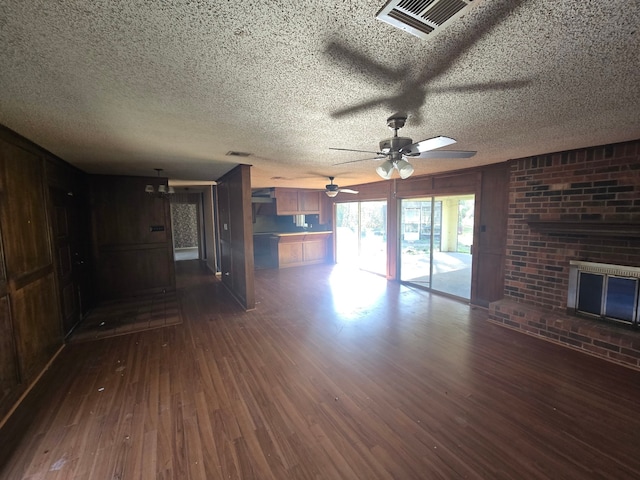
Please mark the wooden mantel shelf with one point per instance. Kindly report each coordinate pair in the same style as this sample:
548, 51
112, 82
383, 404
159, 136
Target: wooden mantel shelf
587, 228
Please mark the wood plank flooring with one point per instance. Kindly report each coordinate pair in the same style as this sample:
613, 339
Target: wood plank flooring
335, 375
122, 317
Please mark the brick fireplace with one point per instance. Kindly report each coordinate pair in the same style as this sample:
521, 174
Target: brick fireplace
576, 206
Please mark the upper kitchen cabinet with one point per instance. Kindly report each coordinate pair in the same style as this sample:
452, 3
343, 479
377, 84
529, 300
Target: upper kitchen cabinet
286, 201
309, 201
292, 201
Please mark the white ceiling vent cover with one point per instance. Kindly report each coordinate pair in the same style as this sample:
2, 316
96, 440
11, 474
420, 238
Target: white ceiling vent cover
420, 17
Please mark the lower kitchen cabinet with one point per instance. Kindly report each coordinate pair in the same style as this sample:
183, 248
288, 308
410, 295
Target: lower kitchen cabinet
297, 250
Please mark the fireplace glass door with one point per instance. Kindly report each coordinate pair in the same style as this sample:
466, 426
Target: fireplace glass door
621, 298
590, 293
608, 296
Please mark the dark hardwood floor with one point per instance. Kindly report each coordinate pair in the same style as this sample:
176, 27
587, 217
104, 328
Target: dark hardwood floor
335, 375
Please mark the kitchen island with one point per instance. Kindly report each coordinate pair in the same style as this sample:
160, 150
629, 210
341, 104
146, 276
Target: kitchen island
293, 249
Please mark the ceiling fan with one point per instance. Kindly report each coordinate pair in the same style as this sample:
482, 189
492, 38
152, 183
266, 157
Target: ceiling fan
397, 150
332, 189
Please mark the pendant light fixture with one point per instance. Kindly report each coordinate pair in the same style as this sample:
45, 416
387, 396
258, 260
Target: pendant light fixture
163, 191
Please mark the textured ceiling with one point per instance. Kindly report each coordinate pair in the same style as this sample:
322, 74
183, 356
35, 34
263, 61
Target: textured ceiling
124, 87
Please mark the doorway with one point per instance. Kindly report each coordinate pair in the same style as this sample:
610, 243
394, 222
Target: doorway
68, 217
186, 226
361, 235
436, 236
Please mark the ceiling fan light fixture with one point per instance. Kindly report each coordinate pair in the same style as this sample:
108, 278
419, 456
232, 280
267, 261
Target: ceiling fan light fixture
331, 193
404, 169
398, 150
385, 169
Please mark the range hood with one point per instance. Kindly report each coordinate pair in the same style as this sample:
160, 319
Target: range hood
262, 199
262, 195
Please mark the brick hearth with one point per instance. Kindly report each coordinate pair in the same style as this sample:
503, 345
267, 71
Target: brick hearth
577, 205
617, 344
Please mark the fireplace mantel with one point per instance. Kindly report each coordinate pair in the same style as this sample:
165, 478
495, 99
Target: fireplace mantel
586, 228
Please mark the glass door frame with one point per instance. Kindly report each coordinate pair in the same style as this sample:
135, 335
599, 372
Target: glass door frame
384, 201
433, 199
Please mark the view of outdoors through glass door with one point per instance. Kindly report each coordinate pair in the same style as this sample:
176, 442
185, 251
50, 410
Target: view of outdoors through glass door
361, 235
435, 243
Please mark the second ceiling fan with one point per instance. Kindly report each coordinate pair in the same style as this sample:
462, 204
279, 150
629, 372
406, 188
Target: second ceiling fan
398, 150
332, 189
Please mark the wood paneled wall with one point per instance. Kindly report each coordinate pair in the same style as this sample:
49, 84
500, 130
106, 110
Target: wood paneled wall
46, 272
236, 234
210, 241
30, 320
132, 248
490, 235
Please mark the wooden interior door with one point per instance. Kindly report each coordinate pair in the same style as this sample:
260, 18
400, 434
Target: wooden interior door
70, 257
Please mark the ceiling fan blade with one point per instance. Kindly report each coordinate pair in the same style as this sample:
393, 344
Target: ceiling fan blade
426, 145
352, 150
347, 190
362, 160
445, 154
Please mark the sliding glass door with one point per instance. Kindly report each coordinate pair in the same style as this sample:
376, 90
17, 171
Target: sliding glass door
361, 235
436, 234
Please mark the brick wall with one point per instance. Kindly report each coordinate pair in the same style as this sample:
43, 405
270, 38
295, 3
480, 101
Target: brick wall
616, 344
599, 184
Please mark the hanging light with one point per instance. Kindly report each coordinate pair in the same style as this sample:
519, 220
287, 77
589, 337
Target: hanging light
385, 169
404, 168
163, 190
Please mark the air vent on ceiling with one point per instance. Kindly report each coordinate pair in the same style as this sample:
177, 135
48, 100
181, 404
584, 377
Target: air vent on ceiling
420, 17
231, 153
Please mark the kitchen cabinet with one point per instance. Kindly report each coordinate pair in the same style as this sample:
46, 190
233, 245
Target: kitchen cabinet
309, 201
281, 250
286, 201
296, 250
292, 201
